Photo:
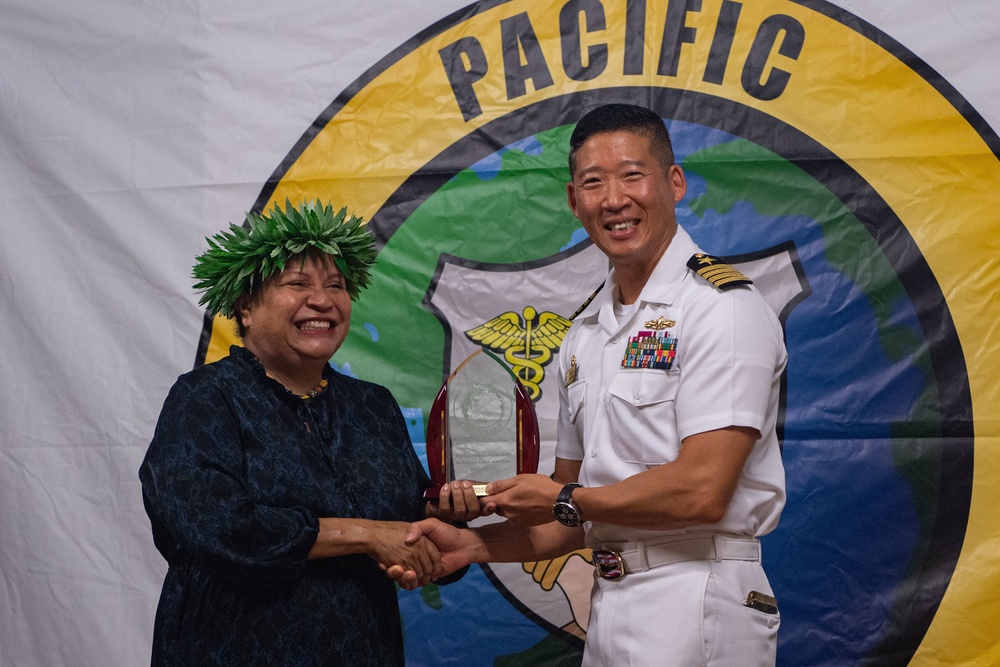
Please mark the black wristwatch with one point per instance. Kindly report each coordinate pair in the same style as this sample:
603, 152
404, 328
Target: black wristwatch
565, 510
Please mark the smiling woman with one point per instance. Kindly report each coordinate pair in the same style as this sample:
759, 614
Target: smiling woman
277, 488
297, 320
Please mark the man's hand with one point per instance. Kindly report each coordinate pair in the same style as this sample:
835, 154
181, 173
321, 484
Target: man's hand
526, 500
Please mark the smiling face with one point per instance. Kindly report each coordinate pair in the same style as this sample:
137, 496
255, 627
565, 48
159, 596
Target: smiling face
299, 318
625, 199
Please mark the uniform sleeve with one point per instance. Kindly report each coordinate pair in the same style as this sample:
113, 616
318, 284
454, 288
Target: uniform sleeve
569, 427
731, 354
197, 500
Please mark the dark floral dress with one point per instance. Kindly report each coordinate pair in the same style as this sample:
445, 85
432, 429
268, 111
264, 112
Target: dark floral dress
237, 474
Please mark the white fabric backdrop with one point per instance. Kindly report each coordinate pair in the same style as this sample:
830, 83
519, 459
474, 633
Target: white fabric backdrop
129, 130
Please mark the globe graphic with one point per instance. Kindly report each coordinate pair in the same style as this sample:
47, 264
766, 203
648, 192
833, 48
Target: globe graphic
860, 428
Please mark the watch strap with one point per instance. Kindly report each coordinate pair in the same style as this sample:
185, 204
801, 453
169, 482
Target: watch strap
566, 495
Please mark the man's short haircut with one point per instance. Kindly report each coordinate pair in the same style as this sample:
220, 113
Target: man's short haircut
627, 118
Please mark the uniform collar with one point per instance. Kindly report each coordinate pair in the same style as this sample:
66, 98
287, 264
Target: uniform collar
661, 288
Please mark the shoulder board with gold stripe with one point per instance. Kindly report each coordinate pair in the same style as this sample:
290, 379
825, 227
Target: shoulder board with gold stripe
714, 270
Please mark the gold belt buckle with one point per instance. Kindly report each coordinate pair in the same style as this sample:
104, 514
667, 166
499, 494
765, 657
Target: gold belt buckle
609, 564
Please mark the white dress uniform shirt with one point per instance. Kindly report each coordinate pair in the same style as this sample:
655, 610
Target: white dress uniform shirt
727, 371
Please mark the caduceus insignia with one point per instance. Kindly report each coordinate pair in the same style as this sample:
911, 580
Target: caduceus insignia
527, 342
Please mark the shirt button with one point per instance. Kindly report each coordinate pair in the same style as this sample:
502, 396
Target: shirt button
614, 339
638, 393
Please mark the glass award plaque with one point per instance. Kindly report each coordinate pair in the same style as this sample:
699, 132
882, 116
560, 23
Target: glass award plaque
482, 426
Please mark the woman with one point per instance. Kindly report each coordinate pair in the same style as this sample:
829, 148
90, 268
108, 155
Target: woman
278, 490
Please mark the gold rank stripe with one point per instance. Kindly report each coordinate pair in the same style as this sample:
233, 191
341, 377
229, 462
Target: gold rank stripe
721, 273
717, 272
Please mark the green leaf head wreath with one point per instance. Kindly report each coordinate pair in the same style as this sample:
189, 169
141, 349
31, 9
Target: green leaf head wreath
240, 259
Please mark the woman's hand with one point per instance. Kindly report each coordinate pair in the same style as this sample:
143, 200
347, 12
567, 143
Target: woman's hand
389, 549
457, 547
457, 502
384, 541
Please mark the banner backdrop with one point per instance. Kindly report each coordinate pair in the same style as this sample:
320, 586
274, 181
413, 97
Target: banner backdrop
844, 154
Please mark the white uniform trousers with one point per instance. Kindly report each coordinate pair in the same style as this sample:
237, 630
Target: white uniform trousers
687, 614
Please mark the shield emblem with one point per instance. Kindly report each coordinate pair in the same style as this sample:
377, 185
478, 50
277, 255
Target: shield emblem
502, 307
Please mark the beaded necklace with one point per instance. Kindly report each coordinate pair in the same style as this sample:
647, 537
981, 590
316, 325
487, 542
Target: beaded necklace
313, 393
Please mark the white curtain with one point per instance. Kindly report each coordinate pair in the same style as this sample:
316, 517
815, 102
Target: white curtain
130, 130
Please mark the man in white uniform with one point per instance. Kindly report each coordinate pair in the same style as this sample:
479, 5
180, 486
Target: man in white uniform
667, 461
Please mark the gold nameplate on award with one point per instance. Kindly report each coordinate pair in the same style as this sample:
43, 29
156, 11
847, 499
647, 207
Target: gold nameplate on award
482, 426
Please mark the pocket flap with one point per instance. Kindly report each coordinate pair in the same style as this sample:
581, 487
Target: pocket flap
642, 387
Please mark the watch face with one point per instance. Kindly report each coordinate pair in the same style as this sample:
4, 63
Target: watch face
566, 514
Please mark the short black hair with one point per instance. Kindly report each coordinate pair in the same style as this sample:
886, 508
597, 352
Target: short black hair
623, 117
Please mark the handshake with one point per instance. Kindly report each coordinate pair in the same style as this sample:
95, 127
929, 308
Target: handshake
416, 554
409, 554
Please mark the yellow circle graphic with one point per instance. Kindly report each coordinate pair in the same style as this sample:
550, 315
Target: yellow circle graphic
807, 65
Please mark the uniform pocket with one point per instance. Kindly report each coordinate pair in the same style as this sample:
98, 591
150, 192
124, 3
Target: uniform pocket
742, 635
641, 408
